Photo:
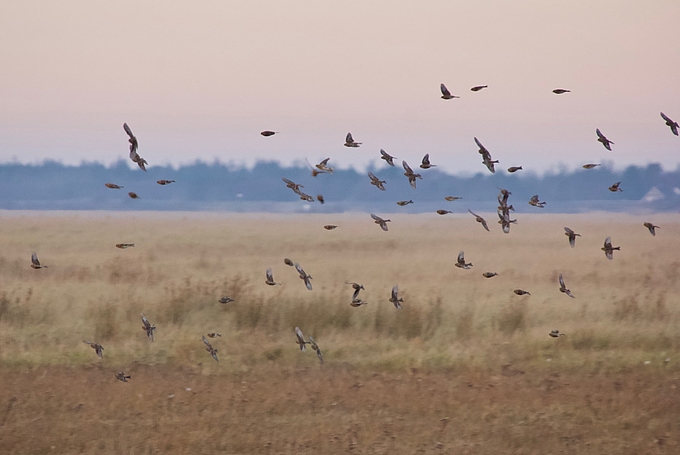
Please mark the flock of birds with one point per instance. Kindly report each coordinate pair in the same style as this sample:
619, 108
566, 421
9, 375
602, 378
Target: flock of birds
504, 216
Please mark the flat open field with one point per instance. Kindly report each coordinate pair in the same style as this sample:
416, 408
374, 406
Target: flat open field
464, 348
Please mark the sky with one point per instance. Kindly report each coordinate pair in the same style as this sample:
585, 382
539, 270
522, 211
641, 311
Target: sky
200, 80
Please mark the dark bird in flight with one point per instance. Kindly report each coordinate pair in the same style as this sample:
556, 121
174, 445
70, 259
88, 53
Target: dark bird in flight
375, 181
320, 198
590, 166
330, 227
288, 262
35, 263
446, 95
535, 202
671, 124
477, 88
486, 157
210, 349
410, 174
514, 169
559, 91
601, 138
380, 221
147, 327
609, 249
572, 236
452, 198
300, 339
349, 141
323, 166
443, 212
292, 185
165, 182
480, 220
113, 186
521, 292
123, 246
133, 195
489, 274
267, 133
134, 156
556, 334
460, 263
564, 289
225, 299
214, 335
304, 276
426, 162
403, 203
615, 187
389, 159
651, 227
98, 348
394, 298
270, 278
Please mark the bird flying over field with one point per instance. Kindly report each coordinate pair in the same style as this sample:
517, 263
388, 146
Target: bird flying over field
98, 348
602, 139
489, 274
113, 186
514, 169
134, 156
330, 227
225, 299
270, 278
288, 262
521, 292
123, 246
315, 347
560, 91
357, 303
375, 181
460, 262
165, 182
535, 202
210, 349
505, 221
404, 203
410, 174
615, 187
564, 289
357, 288
349, 141
572, 236
292, 185
443, 212
480, 220
671, 124
35, 263
304, 276
425, 164
651, 227
394, 298
609, 249
446, 95
380, 221
389, 159
556, 334
214, 335
300, 339
477, 88
590, 165
147, 327
122, 376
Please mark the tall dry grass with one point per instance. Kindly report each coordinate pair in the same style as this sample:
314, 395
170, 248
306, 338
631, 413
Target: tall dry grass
627, 311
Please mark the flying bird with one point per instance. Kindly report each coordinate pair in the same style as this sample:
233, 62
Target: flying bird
410, 174
270, 278
486, 157
564, 289
535, 202
452, 198
559, 91
443, 212
98, 348
425, 164
300, 339
601, 138
304, 276
671, 124
380, 221
489, 274
133, 195
225, 299
292, 185
615, 187
446, 95
477, 88
590, 165
394, 298
113, 186
288, 262
35, 263
505, 221
214, 335
122, 376
315, 347
210, 349
609, 249
165, 182
357, 303
147, 327
460, 263
320, 198
267, 133
357, 288
349, 141
330, 227
556, 334
323, 166
123, 246
521, 292
404, 203
375, 181
651, 227
134, 156
479, 219
389, 159
514, 169
572, 236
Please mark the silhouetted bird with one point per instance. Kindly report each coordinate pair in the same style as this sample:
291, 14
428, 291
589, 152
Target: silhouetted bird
460, 263
304, 276
268, 133
389, 159
394, 298
134, 156
477, 88
165, 182
559, 91
671, 124
349, 141
572, 236
602, 139
288, 262
315, 347
123, 246
609, 249
556, 334
425, 164
225, 299
514, 169
443, 212
113, 186
133, 195
615, 187
446, 94
300, 339
590, 166
376, 181
330, 227
452, 198
651, 227
521, 292
410, 174
564, 289
535, 202
403, 203
489, 274
380, 221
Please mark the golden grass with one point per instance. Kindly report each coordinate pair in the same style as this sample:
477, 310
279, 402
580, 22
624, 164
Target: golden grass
463, 346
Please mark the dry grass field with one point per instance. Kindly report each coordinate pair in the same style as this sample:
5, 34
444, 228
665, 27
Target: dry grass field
466, 366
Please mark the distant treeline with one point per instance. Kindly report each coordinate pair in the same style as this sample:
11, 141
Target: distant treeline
217, 186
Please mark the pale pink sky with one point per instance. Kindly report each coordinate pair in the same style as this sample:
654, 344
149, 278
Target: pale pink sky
200, 80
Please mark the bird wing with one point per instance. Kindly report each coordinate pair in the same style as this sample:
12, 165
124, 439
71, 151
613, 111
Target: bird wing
407, 168
482, 149
300, 270
663, 116
145, 322
600, 135
349, 138
562, 282
324, 162
207, 343
474, 214
269, 275
128, 131
377, 218
484, 224
34, 259
568, 231
426, 159
445, 91
395, 292
383, 226
372, 177
461, 258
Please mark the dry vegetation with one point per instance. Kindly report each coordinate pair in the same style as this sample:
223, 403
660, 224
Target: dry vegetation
463, 347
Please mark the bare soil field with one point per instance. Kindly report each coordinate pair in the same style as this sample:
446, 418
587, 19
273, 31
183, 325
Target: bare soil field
466, 366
